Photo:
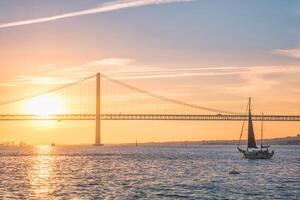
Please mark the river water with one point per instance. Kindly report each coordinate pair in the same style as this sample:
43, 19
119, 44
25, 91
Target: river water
146, 172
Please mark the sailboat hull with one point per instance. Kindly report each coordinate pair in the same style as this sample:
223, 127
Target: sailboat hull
256, 154
263, 152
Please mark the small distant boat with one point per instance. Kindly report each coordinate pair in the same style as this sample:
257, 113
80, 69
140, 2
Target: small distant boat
252, 151
53, 145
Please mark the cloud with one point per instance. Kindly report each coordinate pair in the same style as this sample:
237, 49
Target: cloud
56, 75
295, 53
117, 68
7, 85
105, 7
129, 69
207, 83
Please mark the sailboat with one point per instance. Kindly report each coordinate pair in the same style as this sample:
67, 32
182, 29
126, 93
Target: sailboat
252, 151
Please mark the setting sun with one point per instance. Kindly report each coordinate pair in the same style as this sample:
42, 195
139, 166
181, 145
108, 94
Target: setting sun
44, 105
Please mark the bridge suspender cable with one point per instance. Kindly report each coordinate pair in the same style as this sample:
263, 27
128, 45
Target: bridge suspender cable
166, 98
124, 85
44, 92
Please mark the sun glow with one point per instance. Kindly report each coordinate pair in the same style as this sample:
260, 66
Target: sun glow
44, 105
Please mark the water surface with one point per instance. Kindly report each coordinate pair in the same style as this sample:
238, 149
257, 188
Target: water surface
157, 172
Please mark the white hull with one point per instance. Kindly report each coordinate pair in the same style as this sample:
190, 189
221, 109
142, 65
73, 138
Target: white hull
256, 154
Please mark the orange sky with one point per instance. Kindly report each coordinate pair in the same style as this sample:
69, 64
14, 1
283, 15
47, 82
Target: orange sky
201, 52
130, 131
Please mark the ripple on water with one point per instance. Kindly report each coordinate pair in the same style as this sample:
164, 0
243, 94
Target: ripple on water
146, 172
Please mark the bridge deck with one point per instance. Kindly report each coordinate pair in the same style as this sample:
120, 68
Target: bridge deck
219, 117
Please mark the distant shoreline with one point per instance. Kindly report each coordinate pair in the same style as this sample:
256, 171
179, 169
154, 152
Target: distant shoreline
290, 140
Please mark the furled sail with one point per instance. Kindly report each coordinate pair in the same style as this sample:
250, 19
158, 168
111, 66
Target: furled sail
251, 136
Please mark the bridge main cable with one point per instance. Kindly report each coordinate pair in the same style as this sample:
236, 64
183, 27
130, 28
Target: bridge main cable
168, 99
23, 98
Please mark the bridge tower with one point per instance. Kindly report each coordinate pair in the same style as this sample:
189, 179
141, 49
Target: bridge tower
98, 111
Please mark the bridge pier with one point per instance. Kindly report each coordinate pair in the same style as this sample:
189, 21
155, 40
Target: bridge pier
98, 111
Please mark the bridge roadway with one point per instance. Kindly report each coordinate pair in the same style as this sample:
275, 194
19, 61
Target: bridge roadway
218, 117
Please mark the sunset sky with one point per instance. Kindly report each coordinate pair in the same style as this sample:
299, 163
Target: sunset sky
213, 53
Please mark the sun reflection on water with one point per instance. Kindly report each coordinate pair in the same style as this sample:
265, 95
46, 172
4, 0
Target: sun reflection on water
41, 179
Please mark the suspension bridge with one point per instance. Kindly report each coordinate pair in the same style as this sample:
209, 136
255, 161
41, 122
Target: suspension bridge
73, 95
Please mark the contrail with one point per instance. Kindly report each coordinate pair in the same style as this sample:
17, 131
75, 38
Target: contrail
105, 7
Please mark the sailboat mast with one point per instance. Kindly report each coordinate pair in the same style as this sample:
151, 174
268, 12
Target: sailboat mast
249, 117
262, 130
249, 106
243, 126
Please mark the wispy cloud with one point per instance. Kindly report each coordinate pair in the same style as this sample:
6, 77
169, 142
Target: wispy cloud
105, 7
128, 69
230, 83
7, 85
295, 53
265, 78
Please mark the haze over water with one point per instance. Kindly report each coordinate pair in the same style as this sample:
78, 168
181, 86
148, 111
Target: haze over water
160, 172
